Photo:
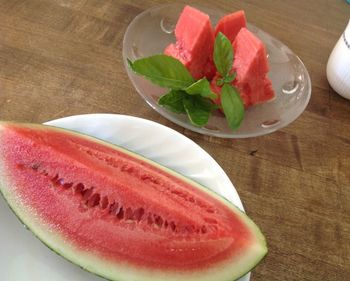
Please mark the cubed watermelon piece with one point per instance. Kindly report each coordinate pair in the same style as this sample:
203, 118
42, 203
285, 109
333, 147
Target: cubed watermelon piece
194, 42
251, 66
210, 69
250, 56
231, 24
269, 93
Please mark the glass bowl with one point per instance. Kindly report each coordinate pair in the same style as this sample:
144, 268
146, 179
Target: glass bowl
151, 31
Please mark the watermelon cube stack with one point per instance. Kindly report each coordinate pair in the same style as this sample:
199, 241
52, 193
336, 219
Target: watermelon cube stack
194, 41
194, 48
251, 66
231, 24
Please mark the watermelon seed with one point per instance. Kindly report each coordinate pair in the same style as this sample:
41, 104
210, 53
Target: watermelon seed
138, 214
104, 203
78, 189
35, 167
120, 214
158, 221
67, 185
55, 178
176, 192
172, 226
189, 229
211, 211
87, 193
204, 229
127, 168
128, 214
113, 208
149, 178
211, 221
150, 219
94, 200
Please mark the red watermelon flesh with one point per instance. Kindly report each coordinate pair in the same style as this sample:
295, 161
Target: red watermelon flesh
118, 214
249, 56
269, 93
251, 66
210, 69
231, 24
194, 41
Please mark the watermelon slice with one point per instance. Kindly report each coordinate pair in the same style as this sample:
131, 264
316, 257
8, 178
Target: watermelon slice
251, 66
119, 215
194, 41
231, 24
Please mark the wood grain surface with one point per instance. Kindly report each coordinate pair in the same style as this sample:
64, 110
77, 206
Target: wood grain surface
63, 57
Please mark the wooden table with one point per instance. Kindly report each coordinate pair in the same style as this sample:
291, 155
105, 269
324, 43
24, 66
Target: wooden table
63, 57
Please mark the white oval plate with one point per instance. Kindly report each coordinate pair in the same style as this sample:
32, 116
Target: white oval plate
24, 258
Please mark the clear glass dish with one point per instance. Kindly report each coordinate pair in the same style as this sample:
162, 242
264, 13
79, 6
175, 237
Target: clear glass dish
151, 31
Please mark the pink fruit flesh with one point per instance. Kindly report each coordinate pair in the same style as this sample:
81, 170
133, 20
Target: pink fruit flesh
119, 207
250, 56
231, 24
251, 66
194, 41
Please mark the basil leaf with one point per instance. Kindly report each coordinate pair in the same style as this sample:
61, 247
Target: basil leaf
163, 70
198, 110
232, 106
201, 87
223, 54
220, 82
205, 103
230, 78
173, 101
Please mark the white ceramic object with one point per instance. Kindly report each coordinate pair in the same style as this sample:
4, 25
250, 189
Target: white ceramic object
338, 66
151, 31
24, 258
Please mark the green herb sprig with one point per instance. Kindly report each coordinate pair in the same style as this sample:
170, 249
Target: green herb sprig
194, 98
186, 95
231, 101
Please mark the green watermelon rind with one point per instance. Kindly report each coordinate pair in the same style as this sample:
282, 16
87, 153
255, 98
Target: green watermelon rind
53, 241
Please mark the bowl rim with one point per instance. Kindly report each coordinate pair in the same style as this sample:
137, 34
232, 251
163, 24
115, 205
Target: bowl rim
202, 130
